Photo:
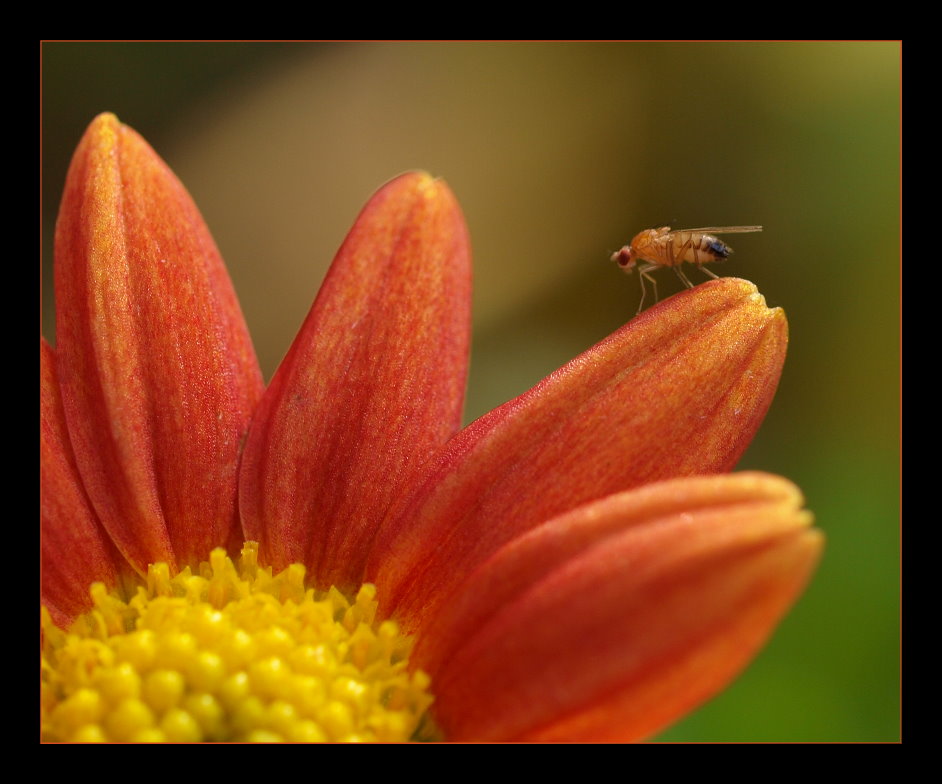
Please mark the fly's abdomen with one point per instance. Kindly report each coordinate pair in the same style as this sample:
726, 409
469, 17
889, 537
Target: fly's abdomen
698, 248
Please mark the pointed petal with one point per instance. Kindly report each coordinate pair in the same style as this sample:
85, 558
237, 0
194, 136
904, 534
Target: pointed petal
614, 620
372, 386
159, 378
678, 391
76, 551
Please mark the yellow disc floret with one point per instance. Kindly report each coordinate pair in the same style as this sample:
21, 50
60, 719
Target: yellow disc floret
230, 654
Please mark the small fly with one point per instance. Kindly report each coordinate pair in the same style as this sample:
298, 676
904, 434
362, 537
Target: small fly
665, 248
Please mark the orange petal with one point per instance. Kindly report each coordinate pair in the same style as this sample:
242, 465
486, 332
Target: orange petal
372, 386
614, 620
76, 551
678, 391
159, 378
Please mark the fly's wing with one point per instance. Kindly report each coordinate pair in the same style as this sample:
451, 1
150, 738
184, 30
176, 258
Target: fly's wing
725, 229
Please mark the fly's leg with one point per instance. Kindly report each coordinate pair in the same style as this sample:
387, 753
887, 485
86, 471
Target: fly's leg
699, 264
684, 278
644, 273
678, 258
708, 272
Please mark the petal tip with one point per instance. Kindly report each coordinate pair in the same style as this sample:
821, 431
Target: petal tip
419, 184
813, 539
105, 120
750, 292
103, 130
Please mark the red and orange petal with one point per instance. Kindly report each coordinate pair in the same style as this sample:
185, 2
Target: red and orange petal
679, 391
76, 551
617, 618
372, 386
159, 378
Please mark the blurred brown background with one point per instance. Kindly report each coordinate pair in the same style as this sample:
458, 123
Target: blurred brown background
559, 153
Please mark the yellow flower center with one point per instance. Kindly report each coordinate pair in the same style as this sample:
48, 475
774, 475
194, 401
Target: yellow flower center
230, 654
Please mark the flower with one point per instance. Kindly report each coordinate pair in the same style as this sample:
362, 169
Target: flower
575, 565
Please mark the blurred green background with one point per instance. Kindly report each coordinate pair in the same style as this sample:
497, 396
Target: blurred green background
559, 154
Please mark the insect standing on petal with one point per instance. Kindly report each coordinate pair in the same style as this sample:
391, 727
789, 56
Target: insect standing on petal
665, 248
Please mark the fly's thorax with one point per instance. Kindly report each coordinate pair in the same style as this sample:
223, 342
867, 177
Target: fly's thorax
651, 245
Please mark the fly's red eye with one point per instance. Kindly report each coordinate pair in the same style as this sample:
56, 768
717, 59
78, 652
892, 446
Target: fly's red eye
622, 257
